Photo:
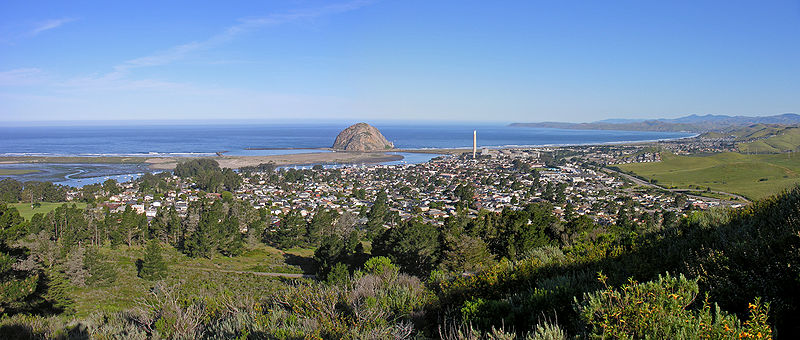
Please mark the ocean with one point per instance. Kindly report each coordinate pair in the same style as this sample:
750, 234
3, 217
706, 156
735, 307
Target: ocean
255, 140
239, 139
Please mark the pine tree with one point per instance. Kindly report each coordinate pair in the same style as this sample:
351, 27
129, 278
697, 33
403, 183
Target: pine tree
153, 266
15, 285
204, 240
58, 292
291, 231
101, 272
231, 242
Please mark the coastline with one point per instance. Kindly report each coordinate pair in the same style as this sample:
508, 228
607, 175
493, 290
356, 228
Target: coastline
328, 156
311, 156
237, 162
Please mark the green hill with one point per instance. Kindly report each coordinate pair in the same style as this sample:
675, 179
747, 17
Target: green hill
752, 176
785, 139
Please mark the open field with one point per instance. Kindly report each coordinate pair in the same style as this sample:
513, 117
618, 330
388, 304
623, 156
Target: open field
6, 172
26, 211
241, 276
752, 176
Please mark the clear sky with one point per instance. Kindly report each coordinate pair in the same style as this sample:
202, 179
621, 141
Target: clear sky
408, 60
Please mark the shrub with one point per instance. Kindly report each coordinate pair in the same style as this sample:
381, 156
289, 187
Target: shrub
380, 265
659, 310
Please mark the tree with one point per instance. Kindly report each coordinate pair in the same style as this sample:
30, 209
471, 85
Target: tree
330, 252
413, 245
15, 285
380, 265
465, 194
231, 241
153, 266
291, 230
320, 225
465, 253
377, 215
110, 186
338, 275
101, 271
74, 267
10, 190
195, 167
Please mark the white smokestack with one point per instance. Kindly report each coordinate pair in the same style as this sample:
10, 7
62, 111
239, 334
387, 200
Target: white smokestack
474, 143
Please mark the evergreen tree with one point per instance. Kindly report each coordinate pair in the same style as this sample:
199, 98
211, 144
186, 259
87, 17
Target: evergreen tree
101, 272
413, 245
330, 252
58, 291
153, 266
320, 225
291, 230
205, 238
15, 285
376, 217
231, 241
10, 190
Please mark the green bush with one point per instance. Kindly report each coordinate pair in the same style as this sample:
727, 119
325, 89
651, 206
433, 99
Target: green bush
660, 309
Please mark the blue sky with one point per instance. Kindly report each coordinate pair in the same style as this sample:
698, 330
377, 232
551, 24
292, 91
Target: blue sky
401, 60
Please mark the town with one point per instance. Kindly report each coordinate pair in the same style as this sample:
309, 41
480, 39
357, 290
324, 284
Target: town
575, 182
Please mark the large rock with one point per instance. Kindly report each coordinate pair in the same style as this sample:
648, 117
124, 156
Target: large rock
361, 137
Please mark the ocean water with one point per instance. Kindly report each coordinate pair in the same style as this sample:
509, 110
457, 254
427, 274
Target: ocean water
240, 139
256, 140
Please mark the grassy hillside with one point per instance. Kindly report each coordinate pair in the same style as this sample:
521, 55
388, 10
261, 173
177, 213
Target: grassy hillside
752, 176
786, 140
762, 138
26, 211
237, 275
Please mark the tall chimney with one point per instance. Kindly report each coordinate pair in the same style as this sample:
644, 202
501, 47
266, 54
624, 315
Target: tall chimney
474, 143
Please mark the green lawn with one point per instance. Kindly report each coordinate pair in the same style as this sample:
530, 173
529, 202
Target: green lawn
26, 211
752, 176
8, 172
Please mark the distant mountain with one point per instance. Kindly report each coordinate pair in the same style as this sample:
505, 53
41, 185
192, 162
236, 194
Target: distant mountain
620, 121
692, 123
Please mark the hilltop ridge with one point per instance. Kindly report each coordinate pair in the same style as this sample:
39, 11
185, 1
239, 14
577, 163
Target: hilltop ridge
693, 123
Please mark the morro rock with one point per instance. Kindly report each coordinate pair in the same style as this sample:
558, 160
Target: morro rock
361, 137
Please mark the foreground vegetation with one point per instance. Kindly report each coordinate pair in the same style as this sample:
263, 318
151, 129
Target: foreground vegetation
517, 273
752, 176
